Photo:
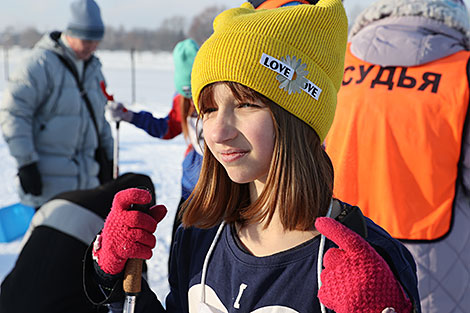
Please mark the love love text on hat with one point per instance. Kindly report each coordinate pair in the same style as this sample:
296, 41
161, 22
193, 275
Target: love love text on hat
291, 75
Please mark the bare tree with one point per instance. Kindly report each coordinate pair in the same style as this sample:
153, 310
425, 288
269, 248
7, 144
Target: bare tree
113, 38
201, 25
29, 37
163, 38
170, 32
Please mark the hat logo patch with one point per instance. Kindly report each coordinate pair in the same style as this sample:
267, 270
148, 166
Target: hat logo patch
280, 67
291, 75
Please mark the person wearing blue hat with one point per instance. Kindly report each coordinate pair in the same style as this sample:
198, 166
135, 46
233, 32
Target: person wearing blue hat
52, 113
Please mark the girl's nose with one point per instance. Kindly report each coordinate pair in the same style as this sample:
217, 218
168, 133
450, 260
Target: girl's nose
221, 128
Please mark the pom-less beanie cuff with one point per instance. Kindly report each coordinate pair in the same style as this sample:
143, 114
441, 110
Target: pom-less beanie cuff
293, 55
86, 34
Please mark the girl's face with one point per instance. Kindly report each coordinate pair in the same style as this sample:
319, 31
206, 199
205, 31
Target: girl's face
240, 135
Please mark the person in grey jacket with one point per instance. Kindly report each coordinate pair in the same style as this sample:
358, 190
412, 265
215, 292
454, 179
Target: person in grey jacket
44, 116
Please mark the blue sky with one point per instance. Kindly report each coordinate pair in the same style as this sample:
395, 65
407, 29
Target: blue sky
53, 14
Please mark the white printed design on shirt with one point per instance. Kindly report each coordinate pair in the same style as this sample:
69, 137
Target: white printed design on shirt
236, 305
214, 305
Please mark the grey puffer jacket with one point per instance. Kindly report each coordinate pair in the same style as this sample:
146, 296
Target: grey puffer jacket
44, 119
381, 35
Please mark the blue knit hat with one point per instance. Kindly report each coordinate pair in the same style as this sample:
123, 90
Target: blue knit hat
183, 58
85, 21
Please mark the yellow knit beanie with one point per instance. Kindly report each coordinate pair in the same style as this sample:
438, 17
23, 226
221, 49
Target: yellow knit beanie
292, 55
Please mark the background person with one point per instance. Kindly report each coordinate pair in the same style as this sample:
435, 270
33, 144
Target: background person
182, 118
400, 141
44, 118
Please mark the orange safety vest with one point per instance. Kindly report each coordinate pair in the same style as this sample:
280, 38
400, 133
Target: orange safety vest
273, 4
395, 142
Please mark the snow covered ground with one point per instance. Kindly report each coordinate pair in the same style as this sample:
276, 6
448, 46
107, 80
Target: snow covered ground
139, 152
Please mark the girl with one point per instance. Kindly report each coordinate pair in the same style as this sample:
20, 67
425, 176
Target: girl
265, 87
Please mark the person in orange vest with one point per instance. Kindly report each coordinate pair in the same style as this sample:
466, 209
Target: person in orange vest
400, 141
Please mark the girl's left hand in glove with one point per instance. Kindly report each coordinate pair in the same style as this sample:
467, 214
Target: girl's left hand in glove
356, 279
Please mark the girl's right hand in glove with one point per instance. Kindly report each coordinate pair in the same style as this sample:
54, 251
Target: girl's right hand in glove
127, 233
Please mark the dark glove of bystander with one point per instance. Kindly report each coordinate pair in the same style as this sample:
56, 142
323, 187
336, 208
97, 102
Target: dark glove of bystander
30, 179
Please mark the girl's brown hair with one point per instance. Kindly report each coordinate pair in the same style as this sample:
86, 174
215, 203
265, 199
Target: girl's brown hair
299, 183
186, 109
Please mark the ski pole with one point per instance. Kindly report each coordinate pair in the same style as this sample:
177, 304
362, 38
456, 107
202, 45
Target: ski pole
116, 153
116, 141
133, 273
131, 284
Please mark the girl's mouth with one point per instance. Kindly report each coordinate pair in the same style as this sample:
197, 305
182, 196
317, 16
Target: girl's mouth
232, 156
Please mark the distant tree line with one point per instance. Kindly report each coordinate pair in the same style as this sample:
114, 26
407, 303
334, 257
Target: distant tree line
163, 38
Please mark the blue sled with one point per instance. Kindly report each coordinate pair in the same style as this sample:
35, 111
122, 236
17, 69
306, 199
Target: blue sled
14, 221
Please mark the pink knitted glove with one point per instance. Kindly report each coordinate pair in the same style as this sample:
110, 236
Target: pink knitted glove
355, 277
127, 233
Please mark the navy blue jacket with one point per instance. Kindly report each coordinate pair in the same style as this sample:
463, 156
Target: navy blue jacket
240, 282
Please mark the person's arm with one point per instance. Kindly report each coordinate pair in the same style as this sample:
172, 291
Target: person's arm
102, 290
164, 128
465, 158
465, 162
155, 127
127, 234
355, 277
173, 301
106, 137
27, 90
105, 133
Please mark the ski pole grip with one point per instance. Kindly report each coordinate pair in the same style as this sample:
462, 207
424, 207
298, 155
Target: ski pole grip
133, 276
133, 271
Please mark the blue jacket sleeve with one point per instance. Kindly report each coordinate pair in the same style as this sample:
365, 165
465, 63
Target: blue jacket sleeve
156, 127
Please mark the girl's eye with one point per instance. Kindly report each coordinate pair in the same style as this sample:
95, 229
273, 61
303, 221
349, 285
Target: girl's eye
206, 112
248, 105
209, 110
